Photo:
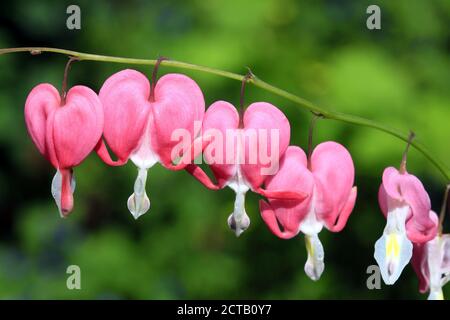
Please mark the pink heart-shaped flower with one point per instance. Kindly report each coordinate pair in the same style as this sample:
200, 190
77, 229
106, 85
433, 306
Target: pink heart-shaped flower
64, 134
410, 220
327, 180
242, 157
144, 129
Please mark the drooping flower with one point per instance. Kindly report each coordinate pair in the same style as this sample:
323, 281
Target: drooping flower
140, 119
65, 130
243, 152
431, 262
327, 179
406, 205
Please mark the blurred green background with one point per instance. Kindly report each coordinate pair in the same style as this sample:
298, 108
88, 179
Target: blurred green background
182, 247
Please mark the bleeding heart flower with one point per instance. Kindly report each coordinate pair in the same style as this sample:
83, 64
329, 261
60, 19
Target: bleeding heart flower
406, 205
65, 130
431, 262
327, 179
139, 122
240, 162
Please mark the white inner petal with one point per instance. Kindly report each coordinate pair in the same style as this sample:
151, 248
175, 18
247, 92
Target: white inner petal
434, 260
439, 272
311, 227
314, 265
445, 258
144, 158
56, 188
436, 294
239, 221
393, 250
138, 203
310, 224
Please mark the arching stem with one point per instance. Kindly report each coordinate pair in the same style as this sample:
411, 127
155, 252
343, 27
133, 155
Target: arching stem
327, 114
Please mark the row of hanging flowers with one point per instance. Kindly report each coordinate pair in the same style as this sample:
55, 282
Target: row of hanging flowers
247, 149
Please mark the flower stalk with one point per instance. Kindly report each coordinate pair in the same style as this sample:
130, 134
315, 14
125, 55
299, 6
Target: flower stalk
64, 83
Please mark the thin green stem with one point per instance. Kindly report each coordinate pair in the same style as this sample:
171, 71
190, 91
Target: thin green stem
327, 114
443, 210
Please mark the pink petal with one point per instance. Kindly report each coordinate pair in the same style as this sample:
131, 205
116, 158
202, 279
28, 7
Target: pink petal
201, 176
77, 126
50, 141
269, 216
418, 233
345, 212
66, 192
223, 119
41, 103
333, 170
103, 153
179, 103
282, 195
293, 176
423, 224
420, 266
383, 200
391, 182
124, 96
262, 119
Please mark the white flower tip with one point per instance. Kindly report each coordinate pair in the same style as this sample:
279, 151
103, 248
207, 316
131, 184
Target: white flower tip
238, 226
138, 205
239, 221
314, 272
392, 253
436, 294
314, 265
